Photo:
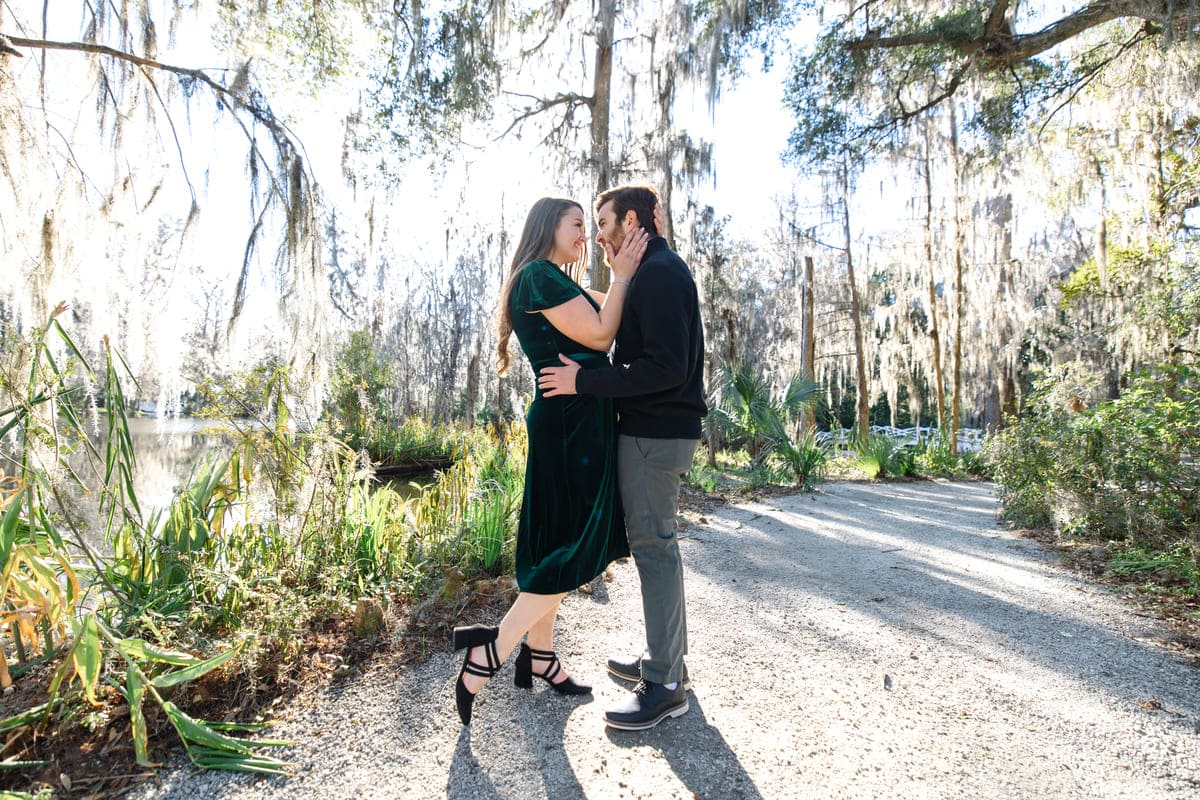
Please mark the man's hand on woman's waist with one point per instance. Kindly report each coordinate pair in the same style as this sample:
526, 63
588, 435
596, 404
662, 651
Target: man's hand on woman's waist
554, 381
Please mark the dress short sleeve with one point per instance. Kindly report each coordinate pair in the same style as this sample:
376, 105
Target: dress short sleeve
540, 286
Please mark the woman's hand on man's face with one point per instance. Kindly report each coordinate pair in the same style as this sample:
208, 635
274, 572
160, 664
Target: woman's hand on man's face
626, 260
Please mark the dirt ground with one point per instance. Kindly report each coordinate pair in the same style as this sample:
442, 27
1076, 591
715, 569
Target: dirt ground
870, 640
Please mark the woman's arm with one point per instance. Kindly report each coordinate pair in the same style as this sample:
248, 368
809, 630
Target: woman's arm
578, 320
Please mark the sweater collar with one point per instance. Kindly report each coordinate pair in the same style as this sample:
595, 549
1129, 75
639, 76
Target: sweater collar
655, 244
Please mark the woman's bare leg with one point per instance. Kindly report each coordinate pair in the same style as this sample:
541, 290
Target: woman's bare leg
541, 633
541, 637
526, 611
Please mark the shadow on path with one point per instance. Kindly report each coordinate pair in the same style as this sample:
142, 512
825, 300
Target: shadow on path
925, 558
539, 723
696, 752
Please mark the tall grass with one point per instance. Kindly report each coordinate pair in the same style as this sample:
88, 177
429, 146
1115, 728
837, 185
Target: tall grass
43, 604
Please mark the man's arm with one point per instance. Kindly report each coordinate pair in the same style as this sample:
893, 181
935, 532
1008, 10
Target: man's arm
663, 310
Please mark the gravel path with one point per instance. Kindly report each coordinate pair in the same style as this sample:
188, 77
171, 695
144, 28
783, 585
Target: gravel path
869, 641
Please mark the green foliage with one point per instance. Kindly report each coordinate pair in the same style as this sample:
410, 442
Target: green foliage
40, 587
764, 421
1177, 564
414, 440
703, 479
443, 74
467, 519
309, 42
286, 529
881, 456
733, 471
959, 25
1161, 279
359, 411
934, 457
1121, 470
752, 25
806, 458
850, 96
357, 390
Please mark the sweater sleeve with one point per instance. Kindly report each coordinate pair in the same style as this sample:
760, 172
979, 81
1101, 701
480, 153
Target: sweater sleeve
661, 309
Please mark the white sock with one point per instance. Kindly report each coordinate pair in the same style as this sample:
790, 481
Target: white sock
671, 686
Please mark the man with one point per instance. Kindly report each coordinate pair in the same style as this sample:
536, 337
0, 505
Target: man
657, 380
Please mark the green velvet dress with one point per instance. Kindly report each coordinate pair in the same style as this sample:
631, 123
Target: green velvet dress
571, 525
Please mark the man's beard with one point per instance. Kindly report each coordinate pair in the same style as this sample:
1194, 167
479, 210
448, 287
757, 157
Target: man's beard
619, 234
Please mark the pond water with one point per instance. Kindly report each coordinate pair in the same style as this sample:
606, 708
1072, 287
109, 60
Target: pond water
169, 452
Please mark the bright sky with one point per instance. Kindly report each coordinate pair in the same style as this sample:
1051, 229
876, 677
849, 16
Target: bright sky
749, 128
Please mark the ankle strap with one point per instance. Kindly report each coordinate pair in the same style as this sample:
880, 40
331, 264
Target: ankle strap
553, 668
493, 662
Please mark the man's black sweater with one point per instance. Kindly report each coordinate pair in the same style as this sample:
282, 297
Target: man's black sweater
657, 375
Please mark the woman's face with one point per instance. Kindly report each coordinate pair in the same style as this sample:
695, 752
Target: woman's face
570, 237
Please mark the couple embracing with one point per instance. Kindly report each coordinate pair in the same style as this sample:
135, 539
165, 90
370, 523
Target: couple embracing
608, 444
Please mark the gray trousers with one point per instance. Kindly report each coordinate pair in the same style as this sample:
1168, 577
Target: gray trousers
648, 471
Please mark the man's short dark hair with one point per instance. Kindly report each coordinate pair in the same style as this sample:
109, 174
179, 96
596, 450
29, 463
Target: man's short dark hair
640, 199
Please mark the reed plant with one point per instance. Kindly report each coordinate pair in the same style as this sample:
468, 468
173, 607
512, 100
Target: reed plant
44, 604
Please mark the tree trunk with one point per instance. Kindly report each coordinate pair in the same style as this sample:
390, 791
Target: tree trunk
939, 380
710, 314
1007, 381
601, 96
808, 342
956, 403
862, 408
1102, 231
666, 97
472, 390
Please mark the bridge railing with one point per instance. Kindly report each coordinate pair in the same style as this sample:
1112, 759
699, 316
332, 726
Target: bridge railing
969, 439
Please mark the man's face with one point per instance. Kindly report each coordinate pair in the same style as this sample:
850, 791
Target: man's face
610, 231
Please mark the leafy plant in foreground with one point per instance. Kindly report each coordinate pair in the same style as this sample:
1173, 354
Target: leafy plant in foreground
41, 591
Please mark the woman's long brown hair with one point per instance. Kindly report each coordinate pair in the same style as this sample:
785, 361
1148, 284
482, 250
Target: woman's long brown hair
537, 241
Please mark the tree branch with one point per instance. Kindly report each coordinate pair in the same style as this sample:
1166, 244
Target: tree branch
1089, 76
996, 47
543, 104
995, 22
262, 115
286, 181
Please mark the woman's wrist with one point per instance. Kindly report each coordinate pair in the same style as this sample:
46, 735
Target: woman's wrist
615, 282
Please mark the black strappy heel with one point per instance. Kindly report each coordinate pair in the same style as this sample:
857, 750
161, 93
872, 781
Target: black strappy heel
468, 637
523, 678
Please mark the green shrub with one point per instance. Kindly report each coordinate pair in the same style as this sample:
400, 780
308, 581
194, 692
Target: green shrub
768, 424
934, 457
701, 478
1178, 563
1122, 470
881, 456
806, 458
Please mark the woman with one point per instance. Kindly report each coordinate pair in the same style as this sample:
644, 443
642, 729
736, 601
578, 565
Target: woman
571, 525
